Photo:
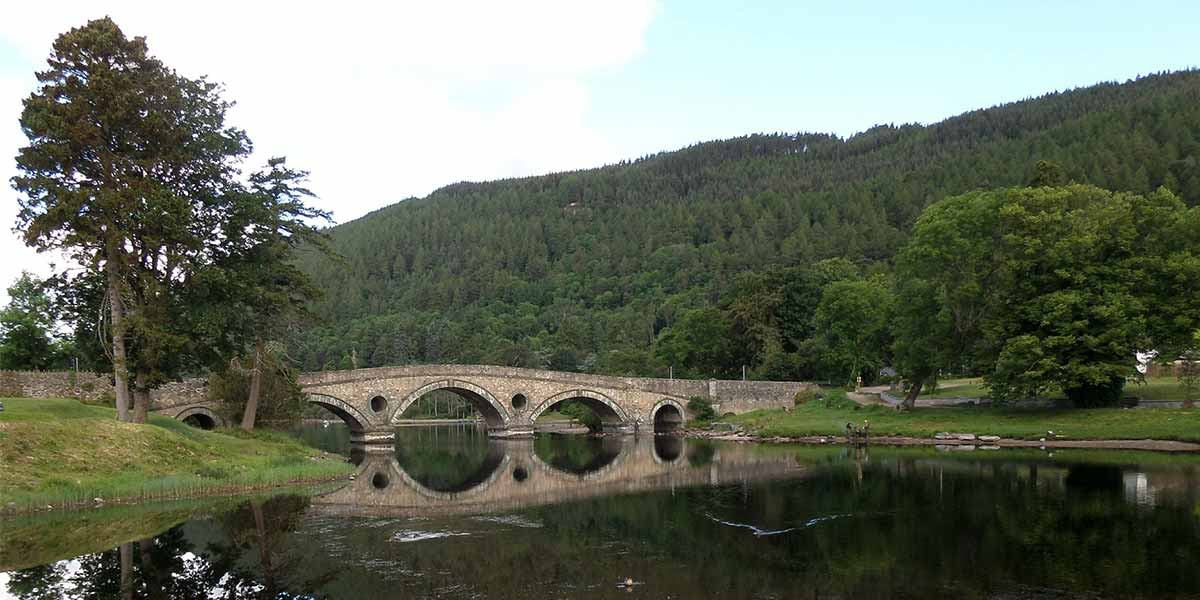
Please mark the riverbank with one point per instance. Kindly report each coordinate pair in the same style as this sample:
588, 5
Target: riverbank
58, 453
826, 418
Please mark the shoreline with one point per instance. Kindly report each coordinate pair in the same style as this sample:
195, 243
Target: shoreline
227, 491
958, 444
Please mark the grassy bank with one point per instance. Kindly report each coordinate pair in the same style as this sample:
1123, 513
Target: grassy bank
1153, 388
829, 416
62, 452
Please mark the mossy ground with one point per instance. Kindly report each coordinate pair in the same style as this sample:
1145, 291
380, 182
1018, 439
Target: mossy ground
829, 416
59, 452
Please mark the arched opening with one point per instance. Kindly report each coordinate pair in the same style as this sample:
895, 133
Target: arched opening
452, 400
519, 401
356, 421
200, 417
593, 409
520, 474
667, 417
667, 448
447, 464
201, 421
578, 455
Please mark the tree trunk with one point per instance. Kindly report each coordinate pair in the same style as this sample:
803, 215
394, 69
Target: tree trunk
141, 399
910, 400
126, 552
119, 359
251, 412
264, 550
149, 575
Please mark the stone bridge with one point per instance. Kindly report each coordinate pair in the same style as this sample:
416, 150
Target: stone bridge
513, 476
510, 400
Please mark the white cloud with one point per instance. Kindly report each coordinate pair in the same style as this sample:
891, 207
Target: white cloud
380, 101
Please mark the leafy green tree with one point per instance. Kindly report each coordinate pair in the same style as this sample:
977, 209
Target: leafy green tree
126, 172
1188, 372
853, 324
278, 399
263, 290
697, 345
26, 328
132, 171
1059, 286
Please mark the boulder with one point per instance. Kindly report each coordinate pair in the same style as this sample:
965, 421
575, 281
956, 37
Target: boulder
989, 438
966, 437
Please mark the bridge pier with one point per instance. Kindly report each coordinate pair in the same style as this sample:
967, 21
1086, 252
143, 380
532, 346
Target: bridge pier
375, 436
511, 431
620, 428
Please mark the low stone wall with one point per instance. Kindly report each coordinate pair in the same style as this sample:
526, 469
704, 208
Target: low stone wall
55, 384
745, 396
94, 388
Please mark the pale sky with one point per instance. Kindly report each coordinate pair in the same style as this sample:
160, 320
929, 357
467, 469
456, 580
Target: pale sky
387, 101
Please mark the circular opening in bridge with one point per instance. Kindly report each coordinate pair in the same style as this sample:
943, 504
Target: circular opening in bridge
379, 481
518, 401
520, 474
378, 403
201, 421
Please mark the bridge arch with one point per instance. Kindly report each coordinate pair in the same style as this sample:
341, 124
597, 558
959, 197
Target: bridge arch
609, 411
495, 467
609, 452
200, 416
667, 415
492, 410
354, 419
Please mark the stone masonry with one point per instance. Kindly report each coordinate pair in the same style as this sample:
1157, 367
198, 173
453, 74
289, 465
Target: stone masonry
371, 401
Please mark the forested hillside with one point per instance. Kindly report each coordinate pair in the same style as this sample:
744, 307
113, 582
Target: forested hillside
597, 270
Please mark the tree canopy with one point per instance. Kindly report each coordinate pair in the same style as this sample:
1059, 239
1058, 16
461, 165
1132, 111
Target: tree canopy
28, 340
1051, 287
609, 262
132, 172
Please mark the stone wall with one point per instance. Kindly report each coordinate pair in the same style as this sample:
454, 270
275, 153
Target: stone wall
94, 388
745, 396
56, 384
497, 389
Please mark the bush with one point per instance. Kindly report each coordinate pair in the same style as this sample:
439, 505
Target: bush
582, 413
806, 395
701, 408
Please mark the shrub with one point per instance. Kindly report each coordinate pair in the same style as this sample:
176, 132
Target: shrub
701, 408
806, 395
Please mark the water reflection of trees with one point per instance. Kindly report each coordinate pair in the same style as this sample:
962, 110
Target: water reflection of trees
447, 459
577, 454
911, 524
248, 555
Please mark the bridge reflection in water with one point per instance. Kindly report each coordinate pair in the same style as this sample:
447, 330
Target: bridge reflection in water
491, 475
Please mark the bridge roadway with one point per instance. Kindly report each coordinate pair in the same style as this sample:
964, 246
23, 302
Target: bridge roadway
513, 476
510, 400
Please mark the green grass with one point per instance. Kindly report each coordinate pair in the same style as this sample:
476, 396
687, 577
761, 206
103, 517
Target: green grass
957, 388
1155, 388
61, 452
830, 415
554, 416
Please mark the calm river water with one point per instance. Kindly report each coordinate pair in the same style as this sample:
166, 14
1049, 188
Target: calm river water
449, 513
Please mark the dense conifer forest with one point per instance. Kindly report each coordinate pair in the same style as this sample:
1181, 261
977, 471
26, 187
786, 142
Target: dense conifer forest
710, 257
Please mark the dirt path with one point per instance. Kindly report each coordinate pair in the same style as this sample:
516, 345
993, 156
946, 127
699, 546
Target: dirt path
869, 396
